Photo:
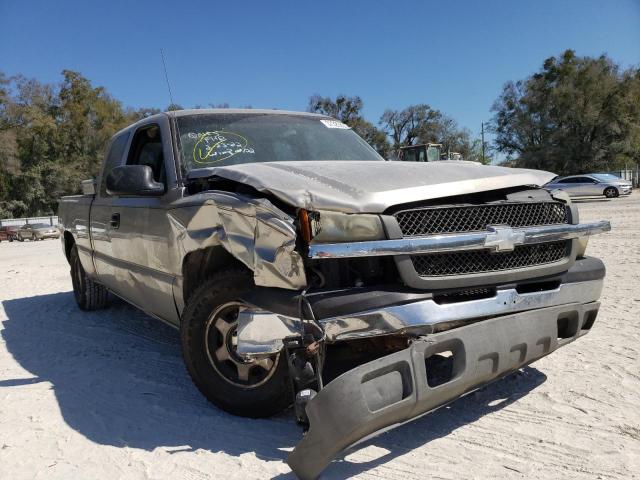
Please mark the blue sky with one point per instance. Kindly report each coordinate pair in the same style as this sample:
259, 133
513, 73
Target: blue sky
453, 55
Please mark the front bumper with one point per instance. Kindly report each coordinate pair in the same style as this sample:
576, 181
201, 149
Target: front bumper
400, 387
351, 314
49, 235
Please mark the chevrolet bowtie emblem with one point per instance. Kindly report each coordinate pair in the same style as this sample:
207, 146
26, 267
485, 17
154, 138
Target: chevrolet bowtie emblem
503, 239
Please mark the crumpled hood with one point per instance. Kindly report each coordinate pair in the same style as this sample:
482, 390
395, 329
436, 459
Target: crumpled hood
371, 186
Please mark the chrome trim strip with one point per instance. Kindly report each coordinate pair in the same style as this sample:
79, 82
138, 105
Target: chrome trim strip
497, 238
426, 314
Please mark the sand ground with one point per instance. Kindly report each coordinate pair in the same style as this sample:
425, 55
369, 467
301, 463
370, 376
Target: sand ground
104, 395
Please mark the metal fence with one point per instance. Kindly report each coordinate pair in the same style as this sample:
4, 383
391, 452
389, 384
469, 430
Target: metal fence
629, 174
18, 222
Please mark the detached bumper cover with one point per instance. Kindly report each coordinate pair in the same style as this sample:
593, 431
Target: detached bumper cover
396, 388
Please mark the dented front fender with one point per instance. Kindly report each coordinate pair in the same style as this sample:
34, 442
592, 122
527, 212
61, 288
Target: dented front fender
253, 230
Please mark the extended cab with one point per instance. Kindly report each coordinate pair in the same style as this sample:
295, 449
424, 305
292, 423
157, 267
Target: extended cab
301, 267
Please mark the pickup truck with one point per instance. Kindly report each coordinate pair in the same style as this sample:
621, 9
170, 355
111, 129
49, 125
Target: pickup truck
302, 268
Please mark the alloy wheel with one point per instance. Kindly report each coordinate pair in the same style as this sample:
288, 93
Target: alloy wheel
221, 341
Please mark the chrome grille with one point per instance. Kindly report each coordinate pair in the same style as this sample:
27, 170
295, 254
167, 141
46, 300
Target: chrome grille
484, 261
471, 218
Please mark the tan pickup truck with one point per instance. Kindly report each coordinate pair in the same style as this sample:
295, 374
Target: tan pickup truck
302, 268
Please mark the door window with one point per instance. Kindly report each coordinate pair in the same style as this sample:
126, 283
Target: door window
583, 180
409, 155
146, 149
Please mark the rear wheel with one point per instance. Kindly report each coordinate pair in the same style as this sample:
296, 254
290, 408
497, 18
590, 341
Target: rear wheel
89, 295
611, 192
249, 388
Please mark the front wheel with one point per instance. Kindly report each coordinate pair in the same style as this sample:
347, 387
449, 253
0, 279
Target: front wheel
208, 330
611, 192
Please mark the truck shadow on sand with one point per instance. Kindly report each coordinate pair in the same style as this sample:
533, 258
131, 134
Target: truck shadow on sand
119, 380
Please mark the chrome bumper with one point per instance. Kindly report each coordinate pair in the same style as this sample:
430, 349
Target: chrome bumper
496, 238
261, 333
425, 316
50, 235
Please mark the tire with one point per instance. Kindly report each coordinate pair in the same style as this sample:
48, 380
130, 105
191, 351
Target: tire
611, 192
20, 238
33, 237
207, 330
89, 295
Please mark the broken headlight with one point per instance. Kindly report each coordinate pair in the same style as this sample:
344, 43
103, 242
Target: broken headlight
335, 227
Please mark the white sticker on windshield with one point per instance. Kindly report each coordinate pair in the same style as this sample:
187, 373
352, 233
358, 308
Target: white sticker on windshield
334, 124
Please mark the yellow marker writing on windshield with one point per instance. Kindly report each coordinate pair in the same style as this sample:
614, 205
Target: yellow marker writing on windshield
213, 147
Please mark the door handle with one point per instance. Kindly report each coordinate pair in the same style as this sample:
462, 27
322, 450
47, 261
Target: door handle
115, 220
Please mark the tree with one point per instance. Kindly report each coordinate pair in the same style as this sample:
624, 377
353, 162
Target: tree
348, 110
51, 137
576, 115
446, 131
421, 124
406, 126
344, 108
477, 155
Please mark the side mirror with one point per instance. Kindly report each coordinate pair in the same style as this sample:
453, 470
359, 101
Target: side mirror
133, 180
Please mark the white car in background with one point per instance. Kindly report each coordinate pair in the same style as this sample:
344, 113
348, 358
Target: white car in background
591, 185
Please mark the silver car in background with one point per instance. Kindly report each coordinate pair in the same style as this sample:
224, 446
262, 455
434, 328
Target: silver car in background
37, 231
591, 185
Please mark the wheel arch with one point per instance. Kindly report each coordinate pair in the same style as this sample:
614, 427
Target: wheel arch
199, 265
69, 242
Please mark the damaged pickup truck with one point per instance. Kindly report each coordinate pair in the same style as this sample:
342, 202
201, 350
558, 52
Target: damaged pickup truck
302, 268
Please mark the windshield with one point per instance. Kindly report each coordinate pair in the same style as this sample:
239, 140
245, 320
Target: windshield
606, 177
213, 140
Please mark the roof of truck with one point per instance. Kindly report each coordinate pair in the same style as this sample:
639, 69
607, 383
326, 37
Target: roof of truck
205, 111
209, 111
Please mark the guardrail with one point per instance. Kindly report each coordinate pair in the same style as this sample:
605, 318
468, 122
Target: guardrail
18, 222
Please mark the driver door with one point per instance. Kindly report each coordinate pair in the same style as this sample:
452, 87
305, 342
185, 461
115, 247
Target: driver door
141, 236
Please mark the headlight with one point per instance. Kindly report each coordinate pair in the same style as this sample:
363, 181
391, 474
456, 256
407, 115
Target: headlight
582, 246
561, 195
334, 227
